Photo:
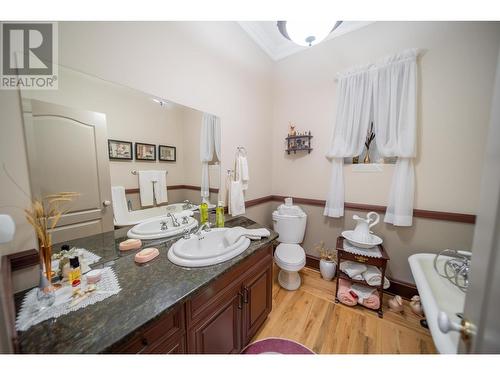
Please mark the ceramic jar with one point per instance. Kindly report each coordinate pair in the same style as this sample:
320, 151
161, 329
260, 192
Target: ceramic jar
327, 269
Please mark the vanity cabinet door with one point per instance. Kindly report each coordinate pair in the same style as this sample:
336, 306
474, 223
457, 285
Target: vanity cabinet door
257, 298
220, 333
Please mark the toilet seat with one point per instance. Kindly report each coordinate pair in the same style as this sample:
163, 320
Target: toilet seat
290, 257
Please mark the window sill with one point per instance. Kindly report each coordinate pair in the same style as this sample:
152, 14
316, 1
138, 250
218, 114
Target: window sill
367, 168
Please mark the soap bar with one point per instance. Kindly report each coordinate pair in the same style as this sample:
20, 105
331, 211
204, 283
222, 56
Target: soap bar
93, 276
146, 255
130, 244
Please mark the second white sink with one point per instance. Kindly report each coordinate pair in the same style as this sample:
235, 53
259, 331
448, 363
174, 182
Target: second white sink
206, 249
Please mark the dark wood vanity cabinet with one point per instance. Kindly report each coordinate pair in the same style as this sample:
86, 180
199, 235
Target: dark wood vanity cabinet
219, 319
223, 317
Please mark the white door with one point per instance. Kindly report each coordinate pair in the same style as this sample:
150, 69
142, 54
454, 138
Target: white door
482, 304
67, 151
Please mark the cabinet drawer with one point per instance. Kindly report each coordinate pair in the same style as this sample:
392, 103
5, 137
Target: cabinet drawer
199, 306
150, 335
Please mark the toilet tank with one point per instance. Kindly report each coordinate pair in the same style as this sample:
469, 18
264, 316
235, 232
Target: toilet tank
290, 224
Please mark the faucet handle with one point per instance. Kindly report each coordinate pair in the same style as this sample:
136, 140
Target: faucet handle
186, 234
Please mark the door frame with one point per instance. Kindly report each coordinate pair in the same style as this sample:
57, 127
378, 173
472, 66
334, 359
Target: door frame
482, 305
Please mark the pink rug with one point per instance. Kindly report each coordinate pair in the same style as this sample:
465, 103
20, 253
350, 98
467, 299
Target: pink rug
275, 345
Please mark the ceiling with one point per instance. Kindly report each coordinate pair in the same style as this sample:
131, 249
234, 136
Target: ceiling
267, 36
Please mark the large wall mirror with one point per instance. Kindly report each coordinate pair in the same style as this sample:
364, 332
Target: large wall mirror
130, 155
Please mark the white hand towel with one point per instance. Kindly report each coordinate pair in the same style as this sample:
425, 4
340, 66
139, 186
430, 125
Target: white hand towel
242, 171
362, 291
161, 194
120, 209
373, 276
232, 235
146, 179
236, 198
353, 269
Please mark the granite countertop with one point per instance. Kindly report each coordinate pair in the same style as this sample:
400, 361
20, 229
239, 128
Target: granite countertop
147, 291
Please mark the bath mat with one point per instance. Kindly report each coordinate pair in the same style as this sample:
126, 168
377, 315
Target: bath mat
275, 345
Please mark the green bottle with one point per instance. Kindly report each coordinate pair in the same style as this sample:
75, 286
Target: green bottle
203, 211
219, 215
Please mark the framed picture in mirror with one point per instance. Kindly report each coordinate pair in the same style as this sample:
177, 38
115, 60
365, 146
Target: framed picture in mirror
119, 150
145, 151
167, 153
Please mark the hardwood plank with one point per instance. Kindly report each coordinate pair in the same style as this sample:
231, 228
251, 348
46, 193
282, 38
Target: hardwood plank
310, 316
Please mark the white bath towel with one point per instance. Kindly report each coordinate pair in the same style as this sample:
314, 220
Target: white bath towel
232, 235
373, 276
146, 181
236, 198
120, 209
242, 171
353, 269
161, 193
362, 291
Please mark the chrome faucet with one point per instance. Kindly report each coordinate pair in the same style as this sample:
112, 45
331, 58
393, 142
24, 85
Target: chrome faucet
163, 225
175, 223
203, 227
187, 205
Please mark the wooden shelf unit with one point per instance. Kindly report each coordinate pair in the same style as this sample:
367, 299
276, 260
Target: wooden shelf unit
304, 140
381, 263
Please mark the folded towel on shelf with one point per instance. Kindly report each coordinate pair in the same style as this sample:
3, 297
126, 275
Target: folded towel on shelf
353, 269
236, 198
373, 276
232, 235
363, 292
344, 295
372, 301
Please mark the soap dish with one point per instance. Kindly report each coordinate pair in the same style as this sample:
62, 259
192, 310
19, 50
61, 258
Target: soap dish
146, 255
93, 277
130, 244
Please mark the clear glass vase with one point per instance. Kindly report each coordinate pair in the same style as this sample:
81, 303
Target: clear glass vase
46, 294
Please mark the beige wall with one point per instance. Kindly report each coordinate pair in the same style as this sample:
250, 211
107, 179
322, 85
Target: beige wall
456, 73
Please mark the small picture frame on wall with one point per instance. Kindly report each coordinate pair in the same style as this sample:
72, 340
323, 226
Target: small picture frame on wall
145, 151
119, 150
167, 153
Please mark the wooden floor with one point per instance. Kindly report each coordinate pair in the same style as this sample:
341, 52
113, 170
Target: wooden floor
310, 316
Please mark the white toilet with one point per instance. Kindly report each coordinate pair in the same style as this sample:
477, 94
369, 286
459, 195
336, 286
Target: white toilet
290, 223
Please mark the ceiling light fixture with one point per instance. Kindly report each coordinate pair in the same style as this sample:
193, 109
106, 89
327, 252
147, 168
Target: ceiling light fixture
306, 33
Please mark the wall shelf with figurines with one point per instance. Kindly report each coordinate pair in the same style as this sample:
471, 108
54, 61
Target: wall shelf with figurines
298, 141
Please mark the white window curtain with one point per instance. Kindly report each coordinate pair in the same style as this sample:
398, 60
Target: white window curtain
395, 124
210, 140
354, 96
386, 91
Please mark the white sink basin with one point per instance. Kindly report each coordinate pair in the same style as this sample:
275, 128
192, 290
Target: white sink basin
151, 229
437, 294
206, 249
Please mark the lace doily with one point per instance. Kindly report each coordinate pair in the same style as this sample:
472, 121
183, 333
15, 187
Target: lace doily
31, 313
373, 252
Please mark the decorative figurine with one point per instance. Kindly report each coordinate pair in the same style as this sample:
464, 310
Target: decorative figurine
396, 304
416, 306
291, 132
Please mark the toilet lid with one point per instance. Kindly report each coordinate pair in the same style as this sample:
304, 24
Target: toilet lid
290, 253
